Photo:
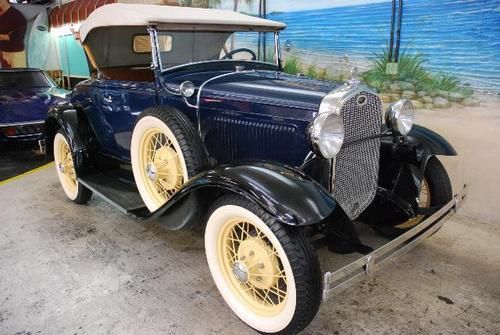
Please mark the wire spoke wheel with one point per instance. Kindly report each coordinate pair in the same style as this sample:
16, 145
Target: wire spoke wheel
424, 201
65, 166
165, 153
66, 171
161, 165
267, 272
253, 267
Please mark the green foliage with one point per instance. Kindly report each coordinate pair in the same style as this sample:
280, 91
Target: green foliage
316, 73
411, 68
292, 65
445, 82
201, 3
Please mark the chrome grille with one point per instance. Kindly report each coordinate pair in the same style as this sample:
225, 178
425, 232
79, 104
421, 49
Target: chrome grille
356, 166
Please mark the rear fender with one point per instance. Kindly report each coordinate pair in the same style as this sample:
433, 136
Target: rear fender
66, 117
288, 195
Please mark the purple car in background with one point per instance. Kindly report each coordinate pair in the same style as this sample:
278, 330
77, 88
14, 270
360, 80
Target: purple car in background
25, 97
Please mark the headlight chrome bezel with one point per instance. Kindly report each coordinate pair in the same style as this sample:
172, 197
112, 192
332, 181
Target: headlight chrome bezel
324, 144
400, 117
187, 89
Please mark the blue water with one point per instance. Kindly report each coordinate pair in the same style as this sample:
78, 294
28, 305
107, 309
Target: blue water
459, 37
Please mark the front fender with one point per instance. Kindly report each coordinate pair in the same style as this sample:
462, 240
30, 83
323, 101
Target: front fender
286, 194
432, 141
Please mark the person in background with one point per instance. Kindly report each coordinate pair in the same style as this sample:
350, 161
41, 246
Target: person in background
12, 32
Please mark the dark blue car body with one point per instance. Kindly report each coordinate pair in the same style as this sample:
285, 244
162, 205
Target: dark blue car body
253, 113
26, 95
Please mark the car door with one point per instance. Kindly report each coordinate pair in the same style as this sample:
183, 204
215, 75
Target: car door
120, 103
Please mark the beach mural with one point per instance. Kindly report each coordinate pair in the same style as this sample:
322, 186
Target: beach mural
450, 49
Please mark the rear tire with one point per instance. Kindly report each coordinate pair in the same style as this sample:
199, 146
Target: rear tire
165, 153
65, 166
267, 272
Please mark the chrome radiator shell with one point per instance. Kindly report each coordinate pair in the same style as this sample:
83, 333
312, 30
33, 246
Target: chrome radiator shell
354, 174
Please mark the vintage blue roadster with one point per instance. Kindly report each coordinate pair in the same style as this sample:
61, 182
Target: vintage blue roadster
188, 121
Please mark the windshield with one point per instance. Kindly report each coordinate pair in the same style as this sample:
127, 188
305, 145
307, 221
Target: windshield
178, 48
26, 79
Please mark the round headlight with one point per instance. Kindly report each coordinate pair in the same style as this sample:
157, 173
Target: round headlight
399, 116
187, 89
327, 134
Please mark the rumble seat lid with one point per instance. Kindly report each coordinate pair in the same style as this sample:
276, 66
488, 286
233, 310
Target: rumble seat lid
174, 17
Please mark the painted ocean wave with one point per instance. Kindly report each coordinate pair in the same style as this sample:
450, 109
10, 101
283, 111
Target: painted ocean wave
458, 37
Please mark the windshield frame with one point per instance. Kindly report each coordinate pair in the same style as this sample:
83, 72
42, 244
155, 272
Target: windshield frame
157, 63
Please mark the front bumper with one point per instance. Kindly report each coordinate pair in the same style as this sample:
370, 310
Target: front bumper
366, 266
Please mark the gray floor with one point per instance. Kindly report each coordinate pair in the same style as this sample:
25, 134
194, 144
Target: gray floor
67, 269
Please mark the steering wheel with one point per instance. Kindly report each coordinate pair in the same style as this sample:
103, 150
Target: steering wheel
230, 54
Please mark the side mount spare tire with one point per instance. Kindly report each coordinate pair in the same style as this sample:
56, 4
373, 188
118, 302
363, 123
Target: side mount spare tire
165, 152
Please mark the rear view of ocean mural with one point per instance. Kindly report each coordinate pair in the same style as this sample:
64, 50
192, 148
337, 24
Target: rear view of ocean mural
450, 49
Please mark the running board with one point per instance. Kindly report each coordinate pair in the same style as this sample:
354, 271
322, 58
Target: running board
124, 196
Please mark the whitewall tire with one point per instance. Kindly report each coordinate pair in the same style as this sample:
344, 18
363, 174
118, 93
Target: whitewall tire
266, 272
66, 172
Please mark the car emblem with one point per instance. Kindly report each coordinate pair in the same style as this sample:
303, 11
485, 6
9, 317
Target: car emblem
361, 100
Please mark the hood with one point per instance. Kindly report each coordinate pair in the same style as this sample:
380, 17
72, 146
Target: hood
28, 104
269, 87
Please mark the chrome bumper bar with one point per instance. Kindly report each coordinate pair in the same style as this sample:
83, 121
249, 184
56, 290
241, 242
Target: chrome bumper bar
366, 266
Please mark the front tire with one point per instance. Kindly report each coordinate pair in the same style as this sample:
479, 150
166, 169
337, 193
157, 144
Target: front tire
64, 161
435, 191
267, 272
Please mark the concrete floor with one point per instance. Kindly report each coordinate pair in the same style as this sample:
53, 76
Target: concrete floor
68, 269
16, 159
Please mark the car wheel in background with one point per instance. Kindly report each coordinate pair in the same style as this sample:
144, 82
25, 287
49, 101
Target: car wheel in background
267, 272
435, 191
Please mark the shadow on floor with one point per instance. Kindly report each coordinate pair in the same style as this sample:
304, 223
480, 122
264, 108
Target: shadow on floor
19, 158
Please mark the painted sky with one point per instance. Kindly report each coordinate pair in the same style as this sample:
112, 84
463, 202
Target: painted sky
298, 5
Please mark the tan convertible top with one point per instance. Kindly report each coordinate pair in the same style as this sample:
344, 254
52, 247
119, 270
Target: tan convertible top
174, 18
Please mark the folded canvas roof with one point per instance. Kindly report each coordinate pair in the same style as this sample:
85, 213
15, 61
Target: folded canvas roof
174, 18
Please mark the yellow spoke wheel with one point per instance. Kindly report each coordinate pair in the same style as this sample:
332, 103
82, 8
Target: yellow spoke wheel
424, 200
251, 257
158, 162
253, 267
65, 167
161, 165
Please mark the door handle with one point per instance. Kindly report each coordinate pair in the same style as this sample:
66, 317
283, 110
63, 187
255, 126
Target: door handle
107, 99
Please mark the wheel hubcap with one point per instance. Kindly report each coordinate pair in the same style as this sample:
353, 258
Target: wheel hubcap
240, 272
151, 172
61, 167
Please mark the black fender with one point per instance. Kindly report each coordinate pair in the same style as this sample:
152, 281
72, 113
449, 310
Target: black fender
431, 142
402, 166
287, 194
66, 116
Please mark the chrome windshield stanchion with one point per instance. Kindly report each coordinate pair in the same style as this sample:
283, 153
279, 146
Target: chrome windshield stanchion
155, 49
277, 49
366, 266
